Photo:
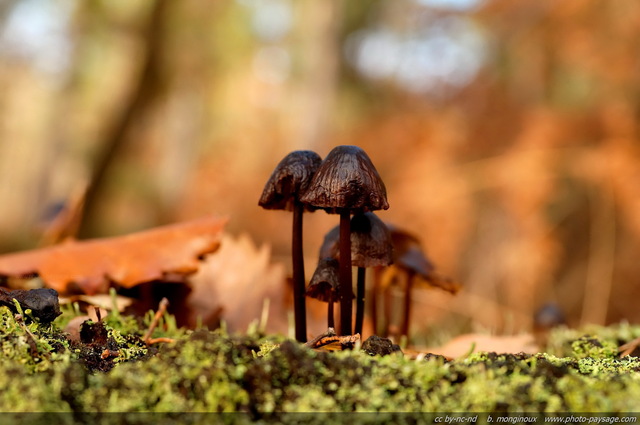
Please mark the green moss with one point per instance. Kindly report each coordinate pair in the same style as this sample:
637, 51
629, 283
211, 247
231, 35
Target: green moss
199, 373
34, 345
593, 347
215, 372
266, 348
561, 339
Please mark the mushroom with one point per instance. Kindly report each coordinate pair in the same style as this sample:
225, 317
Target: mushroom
346, 182
288, 181
371, 246
547, 317
324, 285
409, 257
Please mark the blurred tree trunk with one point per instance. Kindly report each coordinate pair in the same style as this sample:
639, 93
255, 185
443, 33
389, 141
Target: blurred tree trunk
148, 89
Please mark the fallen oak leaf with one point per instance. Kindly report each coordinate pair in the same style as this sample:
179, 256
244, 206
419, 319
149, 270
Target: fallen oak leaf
129, 260
233, 285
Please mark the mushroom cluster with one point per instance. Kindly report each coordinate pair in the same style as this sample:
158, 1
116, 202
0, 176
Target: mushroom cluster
345, 183
324, 286
371, 246
411, 268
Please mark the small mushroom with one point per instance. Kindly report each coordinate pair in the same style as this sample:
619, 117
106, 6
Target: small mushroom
324, 285
346, 182
410, 258
547, 317
288, 181
371, 246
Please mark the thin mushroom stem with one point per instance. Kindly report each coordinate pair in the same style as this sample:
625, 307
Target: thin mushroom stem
360, 300
374, 301
299, 309
330, 319
387, 301
346, 289
407, 304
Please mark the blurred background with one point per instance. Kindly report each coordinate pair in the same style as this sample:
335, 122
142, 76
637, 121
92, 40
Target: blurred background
506, 132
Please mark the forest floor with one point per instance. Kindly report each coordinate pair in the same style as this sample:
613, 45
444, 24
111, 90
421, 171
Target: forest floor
108, 367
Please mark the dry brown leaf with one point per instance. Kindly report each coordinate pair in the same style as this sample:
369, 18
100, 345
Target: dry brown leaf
125, 260
234, 284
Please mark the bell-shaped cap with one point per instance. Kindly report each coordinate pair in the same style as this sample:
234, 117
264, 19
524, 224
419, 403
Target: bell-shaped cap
289, 180
371, 243
330, 244
408, 255
346, 180
549, 316
325, 282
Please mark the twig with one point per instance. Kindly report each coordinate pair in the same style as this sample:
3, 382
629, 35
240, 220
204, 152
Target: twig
162, 308
629, 347
159, 340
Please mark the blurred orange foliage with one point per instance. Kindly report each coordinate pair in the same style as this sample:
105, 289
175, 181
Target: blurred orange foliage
522, 180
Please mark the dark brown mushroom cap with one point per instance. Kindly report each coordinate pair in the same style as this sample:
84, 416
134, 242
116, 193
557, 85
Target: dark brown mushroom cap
549, 316
325, 281
330, 244
408, 255
346, 179
371, 243
290, 180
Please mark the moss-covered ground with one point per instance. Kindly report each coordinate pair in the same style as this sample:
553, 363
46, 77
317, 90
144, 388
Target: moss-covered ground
111, 370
